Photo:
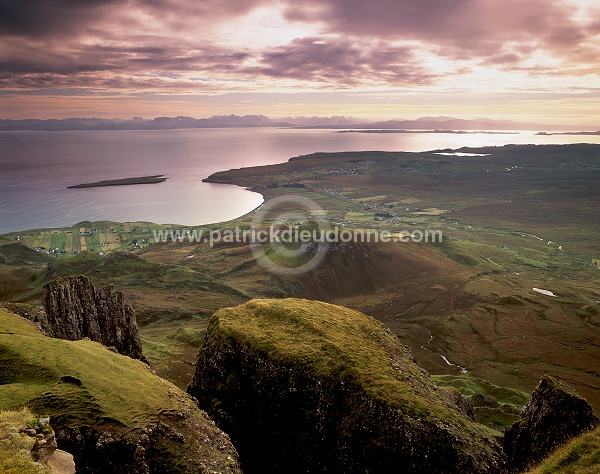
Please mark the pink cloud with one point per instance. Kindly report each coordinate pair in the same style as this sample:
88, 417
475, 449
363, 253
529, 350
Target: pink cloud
344, 62
144, 44
459, 28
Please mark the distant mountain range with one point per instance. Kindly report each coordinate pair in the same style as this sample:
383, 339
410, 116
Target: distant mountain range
234, 121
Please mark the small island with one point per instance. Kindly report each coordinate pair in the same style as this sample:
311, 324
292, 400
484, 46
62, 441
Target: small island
159, 178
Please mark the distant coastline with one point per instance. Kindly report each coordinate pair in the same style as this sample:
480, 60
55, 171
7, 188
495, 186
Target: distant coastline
434, 124
159, 178
570, 133
456, 132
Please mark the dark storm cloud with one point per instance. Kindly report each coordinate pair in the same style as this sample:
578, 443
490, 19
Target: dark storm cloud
63, 18
343, 62
64, 42
38, 18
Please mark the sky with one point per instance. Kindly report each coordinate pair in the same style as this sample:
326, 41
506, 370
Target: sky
524, 60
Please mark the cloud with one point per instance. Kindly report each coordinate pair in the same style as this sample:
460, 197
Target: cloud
41, 18
122, 66
344, 62
67, 18
503, 59
170, 45
185, 11
458, 28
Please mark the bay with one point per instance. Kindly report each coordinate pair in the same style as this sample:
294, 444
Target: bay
37, 167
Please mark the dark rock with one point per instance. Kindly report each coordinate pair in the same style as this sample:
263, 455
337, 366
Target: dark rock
51, 272
35, 314
554, 415
75, 309
464, 405
303, 386
187, 442
45, 441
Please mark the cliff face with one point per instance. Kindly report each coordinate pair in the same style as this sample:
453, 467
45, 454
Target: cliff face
554, 415
75, 309
305, 386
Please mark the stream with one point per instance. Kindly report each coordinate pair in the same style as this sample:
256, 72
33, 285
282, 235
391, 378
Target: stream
463, 370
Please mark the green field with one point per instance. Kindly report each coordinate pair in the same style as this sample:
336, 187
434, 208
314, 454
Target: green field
100, 237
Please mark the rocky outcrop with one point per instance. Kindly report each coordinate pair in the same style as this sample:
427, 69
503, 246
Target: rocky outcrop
554, 415
45, 441
75, 309
186, 441
51, 272
44, 450
35, 314
304, 386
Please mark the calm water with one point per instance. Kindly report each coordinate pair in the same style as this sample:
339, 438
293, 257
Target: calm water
36, 167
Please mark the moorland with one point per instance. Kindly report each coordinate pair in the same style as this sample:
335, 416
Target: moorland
513, 218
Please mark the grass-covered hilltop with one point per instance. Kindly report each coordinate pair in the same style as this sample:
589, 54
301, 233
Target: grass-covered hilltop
330, 367
110, 411
305, 386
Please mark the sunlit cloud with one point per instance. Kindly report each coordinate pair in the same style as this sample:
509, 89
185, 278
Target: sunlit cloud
176, 50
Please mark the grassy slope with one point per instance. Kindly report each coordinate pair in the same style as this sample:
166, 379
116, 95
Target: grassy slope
580, 456
172, 302
87, 389
113, 387
15, 449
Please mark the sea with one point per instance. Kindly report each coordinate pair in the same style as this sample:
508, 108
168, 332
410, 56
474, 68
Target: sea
37, 167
